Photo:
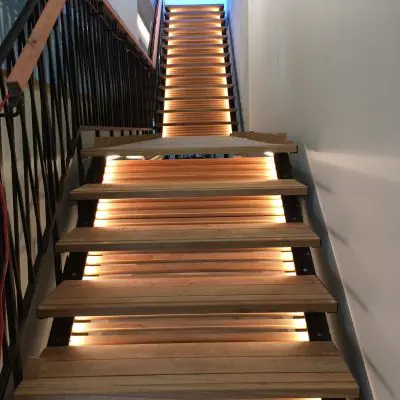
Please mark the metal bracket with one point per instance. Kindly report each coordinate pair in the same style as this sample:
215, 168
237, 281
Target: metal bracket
13, 102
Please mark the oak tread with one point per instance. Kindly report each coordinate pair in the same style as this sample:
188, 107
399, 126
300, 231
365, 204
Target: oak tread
188, 295
202, 236
193, 370
187, 189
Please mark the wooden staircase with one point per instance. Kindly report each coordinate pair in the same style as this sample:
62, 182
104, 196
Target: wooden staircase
192, 285
197, 83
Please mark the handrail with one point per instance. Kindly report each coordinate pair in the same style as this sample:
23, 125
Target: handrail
23, 69
155, 36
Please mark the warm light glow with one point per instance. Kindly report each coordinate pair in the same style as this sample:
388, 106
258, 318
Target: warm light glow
302, 336
100, 223
289, 266
77, 340
90, 278
91, 270
300, 323
280, 219
101, 214
93, 260
80, 327
269, 153
135, 157
113, 157
286, 256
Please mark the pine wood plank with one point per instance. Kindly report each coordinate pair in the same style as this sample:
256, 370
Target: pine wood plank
121, 191
193, 145
187, 295
260, 349
18, 79
185, 370
171, 237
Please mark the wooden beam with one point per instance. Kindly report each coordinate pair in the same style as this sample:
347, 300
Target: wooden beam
187, 189
23, 69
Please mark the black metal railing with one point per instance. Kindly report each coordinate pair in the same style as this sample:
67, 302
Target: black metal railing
90, 73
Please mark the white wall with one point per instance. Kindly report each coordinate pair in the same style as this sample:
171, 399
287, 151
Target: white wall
128, 10
328, 73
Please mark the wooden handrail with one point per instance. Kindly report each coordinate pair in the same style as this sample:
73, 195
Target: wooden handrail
156, 33
22, 71
19, 77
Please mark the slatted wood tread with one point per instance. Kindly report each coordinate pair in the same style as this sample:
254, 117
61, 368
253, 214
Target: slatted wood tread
202, 236
213, 144
183, 86
196, 30
193, 14
196, 75
196, 55
194, 46
207, 294
198, 20
203, 110
187, 189
196, 98
219, 371
195, 65
192, 38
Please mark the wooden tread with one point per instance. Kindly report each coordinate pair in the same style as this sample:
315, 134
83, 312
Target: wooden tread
187, 295
194, 14
218, 371
194, 65
172, 237
198, 110
195, 98
193, 38
283, 187
194, 46
196, 75
196, 86
195, 21
213, 144
190, 124
195, 55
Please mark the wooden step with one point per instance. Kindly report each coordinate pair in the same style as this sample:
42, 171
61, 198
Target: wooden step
192, 38
194, 65
216, 144
202, 110
217, 371
190, 124
196, 55
194, 46
199, 189
195, 21
175, 32
172, 237
194, 7
187, 295
196, 75
193, 14
209, 86
196, 98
